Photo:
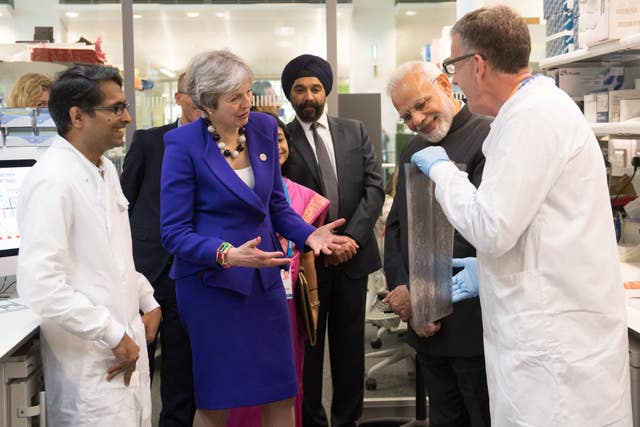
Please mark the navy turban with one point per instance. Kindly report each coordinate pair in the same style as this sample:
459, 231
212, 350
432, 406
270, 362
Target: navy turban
306, 66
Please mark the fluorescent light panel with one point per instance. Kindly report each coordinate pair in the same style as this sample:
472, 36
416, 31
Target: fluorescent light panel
168, 73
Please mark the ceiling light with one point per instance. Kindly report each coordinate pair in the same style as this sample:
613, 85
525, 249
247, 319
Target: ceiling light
137, 16
71, 14
168, 73
411, 13
193, 14
284, 31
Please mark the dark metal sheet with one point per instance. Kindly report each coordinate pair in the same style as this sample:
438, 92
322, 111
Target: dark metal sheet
430, 249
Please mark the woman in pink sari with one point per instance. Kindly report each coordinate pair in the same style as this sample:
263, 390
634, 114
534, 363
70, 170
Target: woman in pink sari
313, 208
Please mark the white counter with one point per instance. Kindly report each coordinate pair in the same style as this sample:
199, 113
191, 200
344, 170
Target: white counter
630, 271
16, 327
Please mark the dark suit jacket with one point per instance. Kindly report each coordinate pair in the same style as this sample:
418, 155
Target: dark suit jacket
461, 332
359, 181
140, 182
203, 203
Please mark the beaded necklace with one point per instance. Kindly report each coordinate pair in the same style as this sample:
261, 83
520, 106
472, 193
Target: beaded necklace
242, 139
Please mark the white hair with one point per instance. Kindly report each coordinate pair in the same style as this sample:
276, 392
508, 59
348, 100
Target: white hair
211, 74
427, 69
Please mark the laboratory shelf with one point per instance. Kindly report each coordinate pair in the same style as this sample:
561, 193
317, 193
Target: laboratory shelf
623, 50
627, 128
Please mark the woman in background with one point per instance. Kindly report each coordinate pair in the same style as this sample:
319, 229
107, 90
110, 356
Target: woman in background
31, 90
313, 208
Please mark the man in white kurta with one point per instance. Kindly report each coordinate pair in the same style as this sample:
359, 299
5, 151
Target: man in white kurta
552, 301
75, 267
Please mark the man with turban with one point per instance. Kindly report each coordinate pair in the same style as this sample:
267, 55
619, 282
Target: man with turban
334, 157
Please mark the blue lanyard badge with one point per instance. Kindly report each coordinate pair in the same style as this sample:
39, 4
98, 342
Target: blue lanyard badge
286, 195
285, 273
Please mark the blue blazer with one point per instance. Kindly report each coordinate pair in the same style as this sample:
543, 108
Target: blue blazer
203, 203
140, 182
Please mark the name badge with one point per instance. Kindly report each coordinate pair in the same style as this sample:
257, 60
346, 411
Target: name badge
285, 275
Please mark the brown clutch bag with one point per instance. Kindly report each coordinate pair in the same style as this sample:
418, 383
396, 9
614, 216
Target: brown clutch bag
308, 304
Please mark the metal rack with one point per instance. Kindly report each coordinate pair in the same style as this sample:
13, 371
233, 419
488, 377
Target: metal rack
624, 51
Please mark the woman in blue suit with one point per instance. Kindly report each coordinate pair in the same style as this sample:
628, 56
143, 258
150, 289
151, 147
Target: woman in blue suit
222, 204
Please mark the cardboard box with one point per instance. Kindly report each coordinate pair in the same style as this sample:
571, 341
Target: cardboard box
562, 22
559, 44
561, 34
596, 107
590, 108
555, 7
604, 20
624, 18
75, 55
615, 96
561, 26
580, 81
629, 109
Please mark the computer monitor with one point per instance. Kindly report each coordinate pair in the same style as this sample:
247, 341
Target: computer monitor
12, 173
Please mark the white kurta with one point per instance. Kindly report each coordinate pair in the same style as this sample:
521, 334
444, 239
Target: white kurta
76, 271
552, 300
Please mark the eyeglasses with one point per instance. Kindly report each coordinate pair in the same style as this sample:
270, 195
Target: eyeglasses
449, 64
418, 107
117, 109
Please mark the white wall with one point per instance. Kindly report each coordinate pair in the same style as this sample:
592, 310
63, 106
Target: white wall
413, 32
26, 15
372, 54
526, 8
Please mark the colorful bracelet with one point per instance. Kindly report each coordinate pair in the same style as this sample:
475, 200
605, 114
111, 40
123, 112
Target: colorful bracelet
221, 254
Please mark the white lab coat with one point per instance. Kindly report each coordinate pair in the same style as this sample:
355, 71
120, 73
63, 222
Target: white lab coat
76, 271
553, 309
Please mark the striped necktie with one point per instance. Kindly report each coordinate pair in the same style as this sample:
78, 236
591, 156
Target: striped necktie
329, 179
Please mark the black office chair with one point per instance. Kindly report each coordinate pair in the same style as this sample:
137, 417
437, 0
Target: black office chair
387, 322
421, 419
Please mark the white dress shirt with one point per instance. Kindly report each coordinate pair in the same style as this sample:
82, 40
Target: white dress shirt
325, 134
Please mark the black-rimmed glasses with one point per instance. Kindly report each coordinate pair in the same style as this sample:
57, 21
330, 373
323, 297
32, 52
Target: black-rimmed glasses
117, 109
449, 64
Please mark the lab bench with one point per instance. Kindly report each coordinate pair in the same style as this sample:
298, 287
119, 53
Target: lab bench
631, 272
22, 401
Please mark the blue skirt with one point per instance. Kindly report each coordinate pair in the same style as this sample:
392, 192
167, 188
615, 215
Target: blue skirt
241, 345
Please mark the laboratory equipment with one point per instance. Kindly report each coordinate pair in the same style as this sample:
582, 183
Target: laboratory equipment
12, 173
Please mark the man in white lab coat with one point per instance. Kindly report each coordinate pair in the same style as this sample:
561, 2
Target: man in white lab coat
553, 312
75, 267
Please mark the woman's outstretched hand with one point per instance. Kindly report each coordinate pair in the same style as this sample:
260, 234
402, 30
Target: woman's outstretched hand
248, 255
324, 240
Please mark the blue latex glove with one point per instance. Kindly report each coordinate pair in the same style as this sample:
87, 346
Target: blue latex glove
464, 285
427, 157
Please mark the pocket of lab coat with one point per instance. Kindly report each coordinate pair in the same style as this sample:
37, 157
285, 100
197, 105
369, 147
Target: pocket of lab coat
112, 402
520, 311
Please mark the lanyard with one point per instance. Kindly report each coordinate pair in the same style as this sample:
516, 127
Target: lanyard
525, 81
286, 195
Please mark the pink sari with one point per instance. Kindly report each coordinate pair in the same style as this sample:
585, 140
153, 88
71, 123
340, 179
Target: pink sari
313, 208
